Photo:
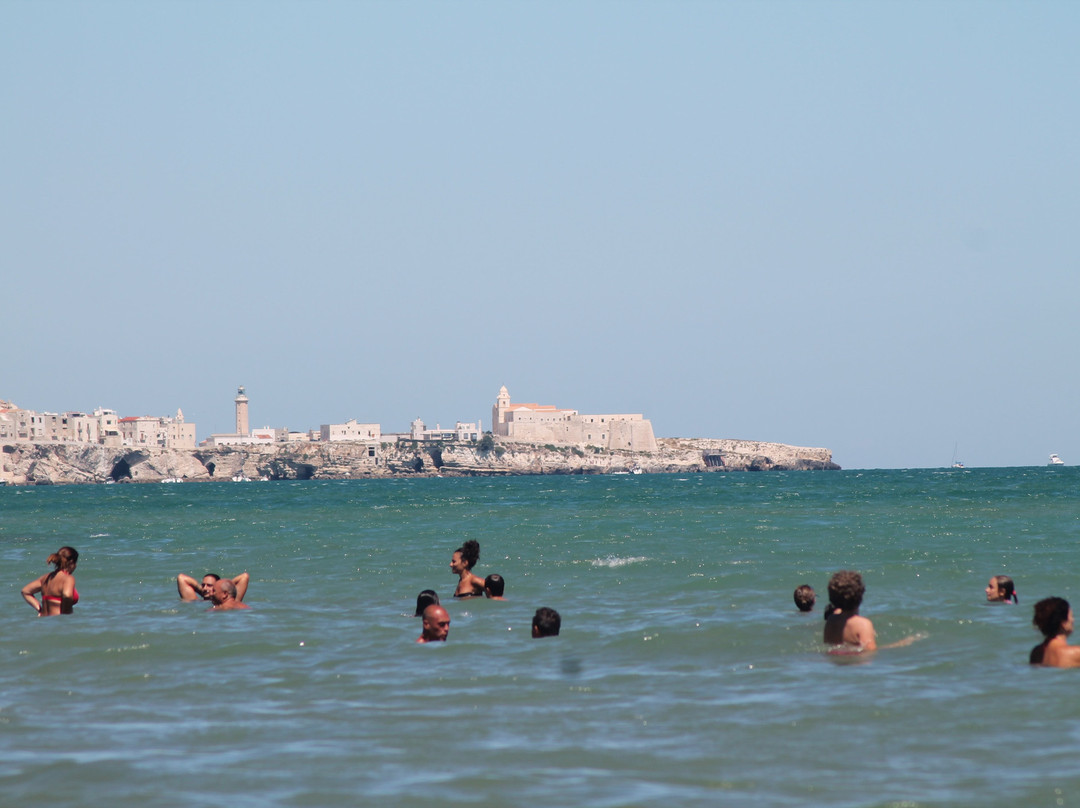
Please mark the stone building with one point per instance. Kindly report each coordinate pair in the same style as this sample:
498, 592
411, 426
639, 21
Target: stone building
351, 431
27, 426
166, 433
461, 431
546, 423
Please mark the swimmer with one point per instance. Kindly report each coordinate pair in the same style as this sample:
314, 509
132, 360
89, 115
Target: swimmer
805, 598
546, 623
846, 627
436, 626
57, 588
1054, 618
461, 564
494, 586
1001, 589
427, 597
224, 596
190, 589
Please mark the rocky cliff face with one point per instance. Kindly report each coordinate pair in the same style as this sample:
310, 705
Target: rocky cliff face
78, 463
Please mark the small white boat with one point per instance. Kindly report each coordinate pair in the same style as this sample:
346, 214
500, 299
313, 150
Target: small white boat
956, 464
240, 477
173, 480
1055, 461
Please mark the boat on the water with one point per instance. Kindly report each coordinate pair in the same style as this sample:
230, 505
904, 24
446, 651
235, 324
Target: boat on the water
956, 464
1055, 461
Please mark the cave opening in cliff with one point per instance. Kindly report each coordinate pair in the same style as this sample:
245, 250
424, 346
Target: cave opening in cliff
121, 470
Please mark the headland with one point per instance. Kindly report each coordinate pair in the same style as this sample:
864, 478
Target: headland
51, 463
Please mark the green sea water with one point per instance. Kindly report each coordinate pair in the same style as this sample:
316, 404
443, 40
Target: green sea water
683, 675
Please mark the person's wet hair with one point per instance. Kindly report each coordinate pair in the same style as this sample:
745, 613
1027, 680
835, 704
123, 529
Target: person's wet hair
470, 553
1050, 616
427, 597
846, 590
64, 559
546, 622
805, 598
495, 585
1006, 587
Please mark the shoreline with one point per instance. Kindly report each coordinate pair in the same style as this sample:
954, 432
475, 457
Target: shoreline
68, 463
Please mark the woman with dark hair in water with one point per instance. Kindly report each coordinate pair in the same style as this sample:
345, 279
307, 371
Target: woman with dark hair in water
1001, 589
427, 597
1054, 618
461, 564
57, 588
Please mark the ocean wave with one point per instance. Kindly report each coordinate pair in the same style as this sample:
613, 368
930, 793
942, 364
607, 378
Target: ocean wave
617, 561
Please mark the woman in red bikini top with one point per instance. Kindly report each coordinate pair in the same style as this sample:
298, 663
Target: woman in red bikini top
57, 588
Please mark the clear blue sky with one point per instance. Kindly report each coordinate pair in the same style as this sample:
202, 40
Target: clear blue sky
850, 225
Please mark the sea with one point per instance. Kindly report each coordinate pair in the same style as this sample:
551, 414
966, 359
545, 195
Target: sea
683, 675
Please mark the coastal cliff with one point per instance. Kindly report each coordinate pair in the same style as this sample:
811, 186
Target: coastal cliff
64, 463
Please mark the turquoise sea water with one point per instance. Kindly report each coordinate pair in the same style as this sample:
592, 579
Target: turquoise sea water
683, 676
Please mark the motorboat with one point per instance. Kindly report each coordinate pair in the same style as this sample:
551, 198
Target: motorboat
1055, 461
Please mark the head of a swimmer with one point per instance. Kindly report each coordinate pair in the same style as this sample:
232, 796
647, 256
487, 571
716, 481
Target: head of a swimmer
465, 557
1001, 588
494, 585
436, 624
805, 598
546, 623
222, 590
65, 559
427, 597
1053, 617
207, 589
846, 590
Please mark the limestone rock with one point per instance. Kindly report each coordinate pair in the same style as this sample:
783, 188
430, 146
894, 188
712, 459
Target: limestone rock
63, 463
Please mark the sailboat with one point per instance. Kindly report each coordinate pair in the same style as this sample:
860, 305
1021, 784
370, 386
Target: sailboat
956, 464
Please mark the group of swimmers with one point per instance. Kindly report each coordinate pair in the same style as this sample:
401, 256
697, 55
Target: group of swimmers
435, 620
846, 630
849, 632
55, 593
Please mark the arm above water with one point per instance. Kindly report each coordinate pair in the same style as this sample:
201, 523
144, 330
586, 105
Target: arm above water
241, 584
188, 587
32, 589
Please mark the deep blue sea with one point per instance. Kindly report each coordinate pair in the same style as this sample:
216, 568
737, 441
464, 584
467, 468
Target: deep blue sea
684, 675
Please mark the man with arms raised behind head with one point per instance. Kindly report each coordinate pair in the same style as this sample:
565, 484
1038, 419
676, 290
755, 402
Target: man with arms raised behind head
190, 589
224, 597
436, 624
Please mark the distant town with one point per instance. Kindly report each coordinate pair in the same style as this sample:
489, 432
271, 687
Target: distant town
519, 422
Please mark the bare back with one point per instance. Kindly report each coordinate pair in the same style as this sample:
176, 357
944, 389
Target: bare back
850, 630
1057, 653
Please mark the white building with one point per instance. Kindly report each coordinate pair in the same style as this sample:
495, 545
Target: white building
461, 431
350, 431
